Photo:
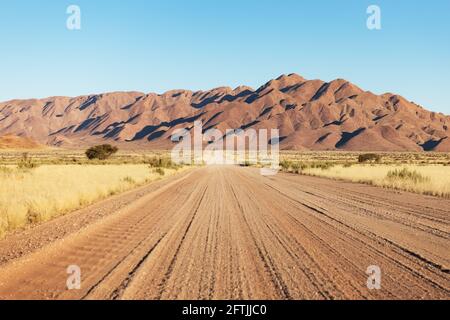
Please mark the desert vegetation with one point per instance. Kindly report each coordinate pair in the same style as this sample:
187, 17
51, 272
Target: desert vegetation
33, 191
101, 152
220, 208
78, 157
369, 157
41, 184
424, 173
425, 179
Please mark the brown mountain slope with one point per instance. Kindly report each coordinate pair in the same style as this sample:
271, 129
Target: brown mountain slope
15, 142
311, 115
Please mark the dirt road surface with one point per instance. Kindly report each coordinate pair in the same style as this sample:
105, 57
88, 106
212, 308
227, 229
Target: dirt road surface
230, 233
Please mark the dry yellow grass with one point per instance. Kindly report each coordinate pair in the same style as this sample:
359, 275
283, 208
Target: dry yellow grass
39, 194
432, 179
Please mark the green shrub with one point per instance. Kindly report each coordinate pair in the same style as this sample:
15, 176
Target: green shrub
321, 165
246, 164
160, 162
296, 167
347, 165
6, 170
285, 165
101, 152
129, 180
369, 157
159, 171
26, 163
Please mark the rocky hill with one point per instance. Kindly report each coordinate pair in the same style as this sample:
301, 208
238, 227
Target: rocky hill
310, 114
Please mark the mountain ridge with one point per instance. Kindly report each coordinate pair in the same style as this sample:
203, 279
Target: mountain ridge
310, 114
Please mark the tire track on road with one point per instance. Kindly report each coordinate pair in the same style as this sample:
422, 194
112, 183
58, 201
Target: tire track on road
230, 233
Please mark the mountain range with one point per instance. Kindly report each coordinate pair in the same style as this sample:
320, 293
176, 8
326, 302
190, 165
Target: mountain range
310, 114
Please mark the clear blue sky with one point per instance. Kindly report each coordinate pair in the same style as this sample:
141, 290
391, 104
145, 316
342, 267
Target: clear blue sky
154, 46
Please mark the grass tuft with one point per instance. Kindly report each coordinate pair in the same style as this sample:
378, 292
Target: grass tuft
159, 171
407, 175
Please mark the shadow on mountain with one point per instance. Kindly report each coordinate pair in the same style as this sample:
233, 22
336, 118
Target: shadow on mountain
321, 91
335, 123
256, 96
207, 101
347, 136
322, 138
113, 126
91, 123
290, 107
88, 103
128, 106
148, 130
213, 117
293, 87
208, 128
114, 132
243, 127
266, 111
431, 144
251, 124
63, 130
231, 98
275, 141
379, 117
156, 135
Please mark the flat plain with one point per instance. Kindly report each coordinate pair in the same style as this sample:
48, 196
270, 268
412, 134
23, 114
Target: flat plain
226, 232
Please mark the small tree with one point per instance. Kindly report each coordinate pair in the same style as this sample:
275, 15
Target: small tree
101, 152
369, 157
